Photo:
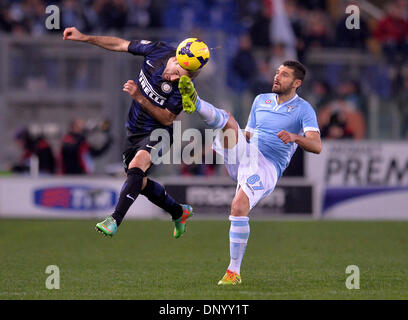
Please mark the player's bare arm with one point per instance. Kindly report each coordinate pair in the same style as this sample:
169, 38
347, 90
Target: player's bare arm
105, 42
311, 142
164, 116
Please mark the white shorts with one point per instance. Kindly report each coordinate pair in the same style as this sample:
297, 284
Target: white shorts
255, 174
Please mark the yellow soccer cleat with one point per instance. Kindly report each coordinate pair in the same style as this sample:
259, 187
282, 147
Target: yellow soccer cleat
230, 278
188, 94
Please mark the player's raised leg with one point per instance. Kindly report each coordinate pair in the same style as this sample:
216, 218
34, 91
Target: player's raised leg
214, 117
239, 235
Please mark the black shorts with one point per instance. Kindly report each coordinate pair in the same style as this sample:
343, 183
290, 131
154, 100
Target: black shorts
136, 142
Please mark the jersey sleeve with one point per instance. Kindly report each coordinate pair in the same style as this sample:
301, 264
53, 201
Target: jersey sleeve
309, 120
174, 103
251, 125
141, 47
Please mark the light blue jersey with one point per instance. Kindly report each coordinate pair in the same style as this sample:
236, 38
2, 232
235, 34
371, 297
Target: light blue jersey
268, 118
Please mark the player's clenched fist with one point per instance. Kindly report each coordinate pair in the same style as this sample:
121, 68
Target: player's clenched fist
286, 137
72, 33
131, 87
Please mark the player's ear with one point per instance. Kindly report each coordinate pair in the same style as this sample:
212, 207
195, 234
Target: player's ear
297, 83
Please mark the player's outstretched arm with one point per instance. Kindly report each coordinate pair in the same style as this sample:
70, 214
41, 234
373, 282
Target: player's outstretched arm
105, 42
164, 116
310, 142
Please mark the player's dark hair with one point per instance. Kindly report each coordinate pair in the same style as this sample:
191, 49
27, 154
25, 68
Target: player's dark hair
193, 74
299, 69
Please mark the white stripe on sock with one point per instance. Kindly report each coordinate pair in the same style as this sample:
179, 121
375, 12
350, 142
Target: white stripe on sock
238, 241
243, 229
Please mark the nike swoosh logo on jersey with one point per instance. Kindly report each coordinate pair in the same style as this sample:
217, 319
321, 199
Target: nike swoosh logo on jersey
150, 147
148, 62
128, 196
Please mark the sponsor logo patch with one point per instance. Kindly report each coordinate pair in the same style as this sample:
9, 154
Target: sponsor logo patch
75, 197
149, 91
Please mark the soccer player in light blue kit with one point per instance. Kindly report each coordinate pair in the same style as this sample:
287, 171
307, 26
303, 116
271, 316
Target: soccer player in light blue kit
278, 123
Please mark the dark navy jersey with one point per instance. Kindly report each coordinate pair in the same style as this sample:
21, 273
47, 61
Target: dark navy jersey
161, 93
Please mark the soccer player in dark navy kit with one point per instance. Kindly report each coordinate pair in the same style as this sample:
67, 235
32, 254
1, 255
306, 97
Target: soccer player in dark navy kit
156, 108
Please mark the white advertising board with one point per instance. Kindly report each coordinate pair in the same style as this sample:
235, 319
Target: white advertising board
76, 197
360, 164
361, 179
90, 197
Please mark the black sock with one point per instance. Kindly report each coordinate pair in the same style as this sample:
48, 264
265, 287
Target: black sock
156, 193
129, 193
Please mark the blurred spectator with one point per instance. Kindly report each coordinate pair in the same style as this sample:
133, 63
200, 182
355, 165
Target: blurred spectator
5, 19
243, 65
260, 31
279, 53
350, 92
317, 30
72, 15
296, 18
312, 4
112, 14
36, 14
34, 147
341, 114
346, 113
26, 16
352, 38
76, 153
247, 10
281, 29
241, 78
319, 94
392, 32
138, 13
264, 79
336, 128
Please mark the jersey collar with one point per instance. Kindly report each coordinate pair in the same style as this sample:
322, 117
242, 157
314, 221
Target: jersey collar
286, 102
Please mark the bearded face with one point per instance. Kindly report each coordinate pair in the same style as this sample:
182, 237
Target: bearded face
284, 81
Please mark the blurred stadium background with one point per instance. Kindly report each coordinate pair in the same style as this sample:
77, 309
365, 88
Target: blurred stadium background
357, 81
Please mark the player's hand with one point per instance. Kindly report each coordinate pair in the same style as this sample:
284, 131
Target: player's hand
72, 33
133, 90
287, 137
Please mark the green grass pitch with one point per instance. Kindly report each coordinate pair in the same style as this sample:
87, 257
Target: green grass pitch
284, 260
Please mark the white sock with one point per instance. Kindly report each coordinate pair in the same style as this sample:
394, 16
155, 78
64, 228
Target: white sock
214, 117
239, 234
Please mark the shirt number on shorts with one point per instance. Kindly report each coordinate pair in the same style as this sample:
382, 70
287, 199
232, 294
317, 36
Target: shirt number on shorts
254, 179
